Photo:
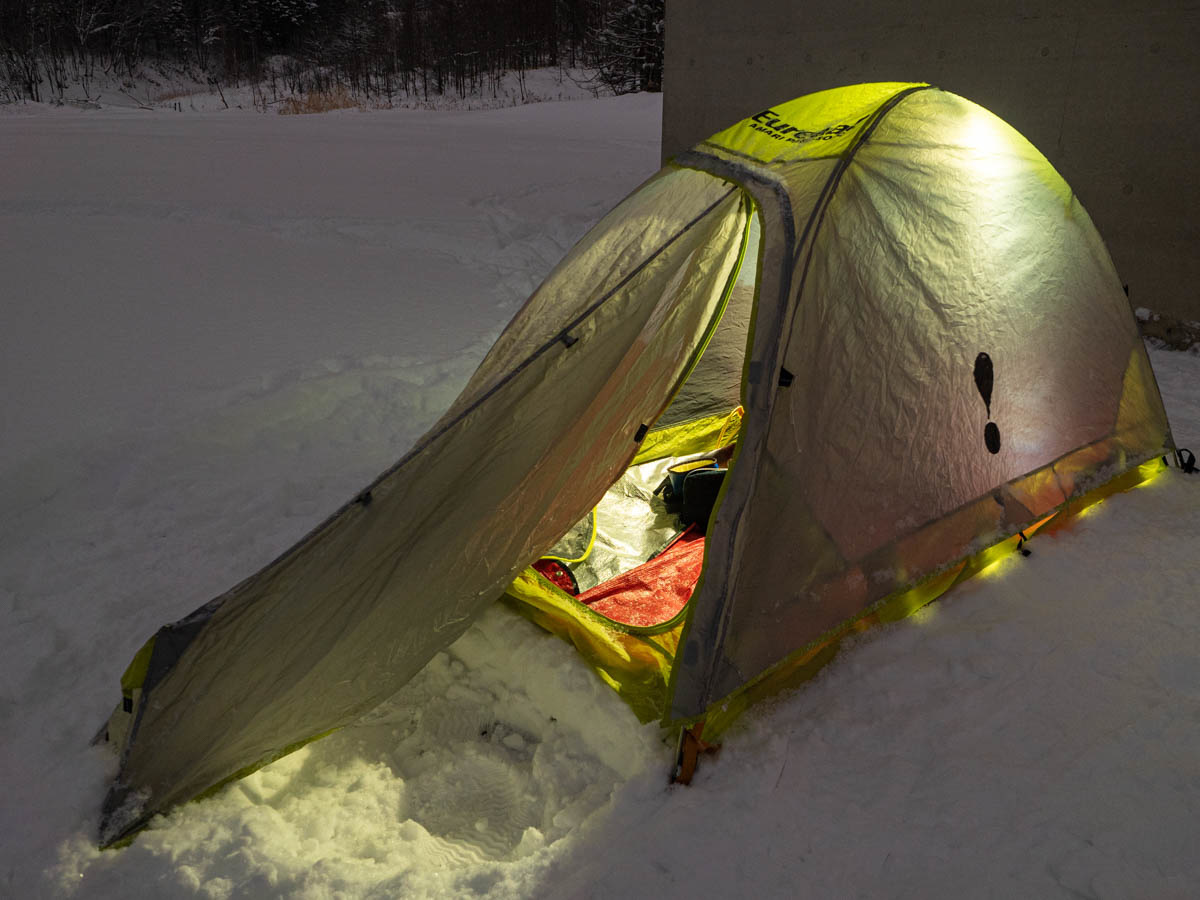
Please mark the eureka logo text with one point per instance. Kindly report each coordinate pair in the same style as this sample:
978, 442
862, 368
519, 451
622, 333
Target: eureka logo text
769, 123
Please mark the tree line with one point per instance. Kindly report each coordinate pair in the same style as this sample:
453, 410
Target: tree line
369, 47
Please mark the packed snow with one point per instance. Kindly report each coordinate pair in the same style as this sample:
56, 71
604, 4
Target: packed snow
216, 326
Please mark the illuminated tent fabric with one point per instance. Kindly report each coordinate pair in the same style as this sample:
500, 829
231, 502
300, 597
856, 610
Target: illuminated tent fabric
932, 350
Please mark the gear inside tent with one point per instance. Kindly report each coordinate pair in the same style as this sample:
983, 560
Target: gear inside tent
805, 378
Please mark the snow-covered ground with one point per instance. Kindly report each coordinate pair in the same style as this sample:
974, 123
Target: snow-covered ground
215, 327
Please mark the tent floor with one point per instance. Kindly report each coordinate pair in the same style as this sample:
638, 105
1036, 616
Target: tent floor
655, 591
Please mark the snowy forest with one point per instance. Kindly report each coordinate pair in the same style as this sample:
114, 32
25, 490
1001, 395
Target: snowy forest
367, 48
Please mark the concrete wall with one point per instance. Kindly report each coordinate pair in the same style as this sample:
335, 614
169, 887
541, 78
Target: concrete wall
1109, 90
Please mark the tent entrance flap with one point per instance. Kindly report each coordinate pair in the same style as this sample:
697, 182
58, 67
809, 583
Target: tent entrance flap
554, 414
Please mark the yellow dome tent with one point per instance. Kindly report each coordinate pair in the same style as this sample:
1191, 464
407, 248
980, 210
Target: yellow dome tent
881, 300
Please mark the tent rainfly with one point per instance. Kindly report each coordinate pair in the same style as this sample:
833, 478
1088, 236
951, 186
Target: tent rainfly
868, 339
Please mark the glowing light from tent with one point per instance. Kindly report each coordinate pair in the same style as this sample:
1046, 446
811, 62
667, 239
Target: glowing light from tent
1150, 471
992, 557
995, 148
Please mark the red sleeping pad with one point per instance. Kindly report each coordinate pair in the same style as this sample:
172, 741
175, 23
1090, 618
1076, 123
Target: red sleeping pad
656, 590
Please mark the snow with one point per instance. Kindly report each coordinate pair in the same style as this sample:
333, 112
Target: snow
217, 326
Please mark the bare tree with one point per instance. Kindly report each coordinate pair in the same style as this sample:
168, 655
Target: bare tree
373, 48
628, 45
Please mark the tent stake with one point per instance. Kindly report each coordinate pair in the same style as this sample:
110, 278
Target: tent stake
687, 755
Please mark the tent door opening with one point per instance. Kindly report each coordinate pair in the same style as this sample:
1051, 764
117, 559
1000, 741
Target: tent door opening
636, 557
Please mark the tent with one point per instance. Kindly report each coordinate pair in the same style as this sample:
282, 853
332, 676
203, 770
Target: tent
877, 311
